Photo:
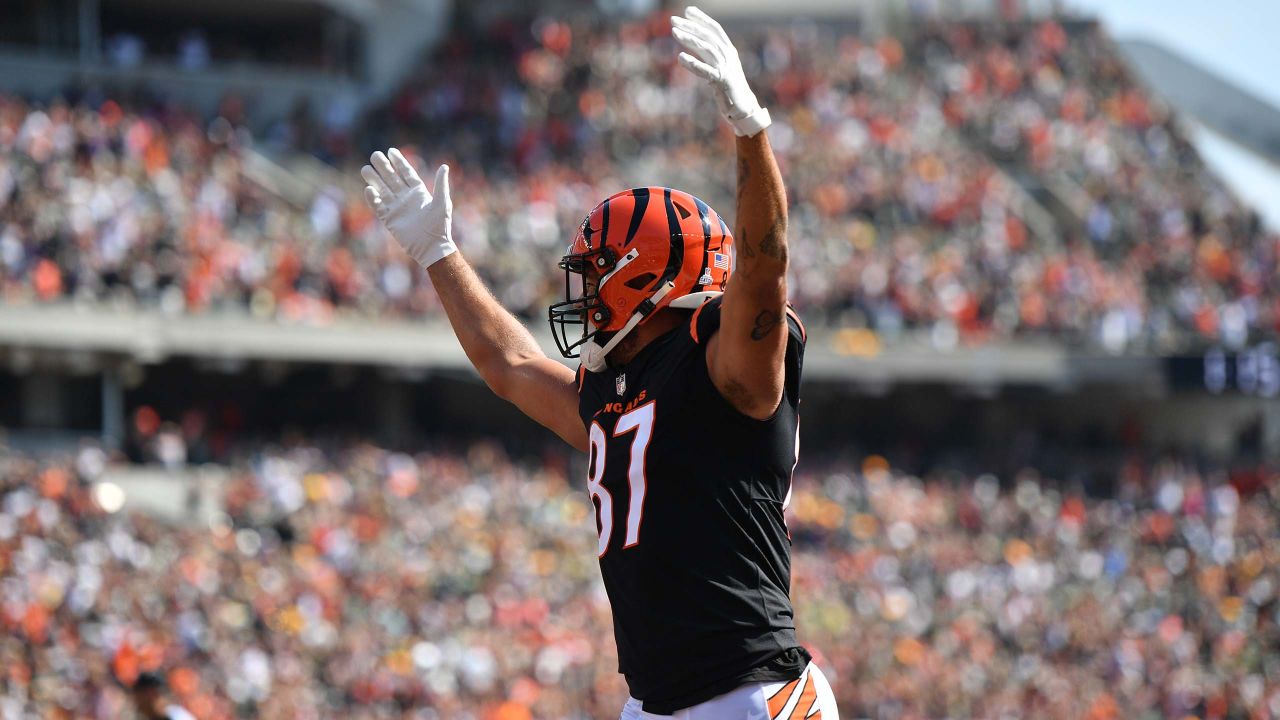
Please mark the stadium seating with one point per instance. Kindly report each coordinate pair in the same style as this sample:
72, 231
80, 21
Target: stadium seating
917, 168
354, 580
967, 183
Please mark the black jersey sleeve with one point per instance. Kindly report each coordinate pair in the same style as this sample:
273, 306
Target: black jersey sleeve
705, 322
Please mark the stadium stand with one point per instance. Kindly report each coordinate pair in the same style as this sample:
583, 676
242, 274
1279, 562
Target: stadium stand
1177, 253
974, 182
356, 580
991, 517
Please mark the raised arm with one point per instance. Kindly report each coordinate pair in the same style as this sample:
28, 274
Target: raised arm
501, 349
746, 357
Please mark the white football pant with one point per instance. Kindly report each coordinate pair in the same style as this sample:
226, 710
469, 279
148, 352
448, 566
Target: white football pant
808, 697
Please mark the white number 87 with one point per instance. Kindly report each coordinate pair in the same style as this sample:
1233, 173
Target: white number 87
641, 421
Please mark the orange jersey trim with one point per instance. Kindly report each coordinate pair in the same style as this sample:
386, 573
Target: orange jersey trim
693, 323
804, 336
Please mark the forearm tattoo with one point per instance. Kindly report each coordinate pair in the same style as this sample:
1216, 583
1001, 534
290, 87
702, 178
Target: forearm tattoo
765, 322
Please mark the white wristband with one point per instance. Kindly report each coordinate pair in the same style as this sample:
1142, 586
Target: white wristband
434, 252
750, 125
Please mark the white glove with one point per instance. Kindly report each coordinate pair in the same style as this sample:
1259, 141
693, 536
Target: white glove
717, 62
422, 225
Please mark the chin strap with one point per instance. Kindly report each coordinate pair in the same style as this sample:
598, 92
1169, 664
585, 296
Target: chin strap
593, 354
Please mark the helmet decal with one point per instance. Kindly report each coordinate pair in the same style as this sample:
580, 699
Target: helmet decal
676, 255
704, 215
642, 203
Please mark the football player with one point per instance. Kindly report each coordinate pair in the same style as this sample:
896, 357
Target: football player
685, 399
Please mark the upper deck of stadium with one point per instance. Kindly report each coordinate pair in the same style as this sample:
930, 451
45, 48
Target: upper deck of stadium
958, 183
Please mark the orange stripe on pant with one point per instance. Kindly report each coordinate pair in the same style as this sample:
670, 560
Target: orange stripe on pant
780, 698
808, 696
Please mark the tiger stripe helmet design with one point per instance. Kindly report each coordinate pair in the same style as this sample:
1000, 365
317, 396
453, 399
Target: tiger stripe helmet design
637, 252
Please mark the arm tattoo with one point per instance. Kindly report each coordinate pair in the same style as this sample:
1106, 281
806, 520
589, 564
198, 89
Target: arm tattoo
774, 244
766, 321
744, 244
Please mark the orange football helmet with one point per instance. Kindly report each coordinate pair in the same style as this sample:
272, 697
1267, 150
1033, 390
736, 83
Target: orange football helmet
638, 251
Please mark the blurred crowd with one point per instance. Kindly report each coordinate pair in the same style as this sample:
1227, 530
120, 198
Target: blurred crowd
369, 584
365, 583
103, 204
913, 165
1165, 247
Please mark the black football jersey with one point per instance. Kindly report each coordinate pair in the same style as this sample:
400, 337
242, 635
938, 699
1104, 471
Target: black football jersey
689, 497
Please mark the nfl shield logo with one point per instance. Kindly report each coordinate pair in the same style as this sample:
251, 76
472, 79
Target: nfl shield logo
621, 384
